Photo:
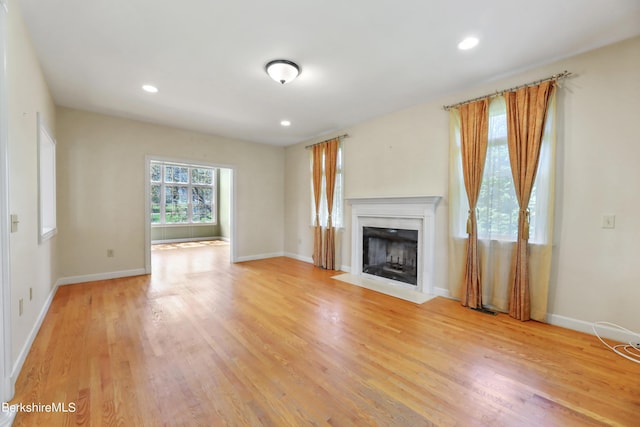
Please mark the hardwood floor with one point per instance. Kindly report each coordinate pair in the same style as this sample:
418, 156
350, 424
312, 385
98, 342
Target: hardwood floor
277, 342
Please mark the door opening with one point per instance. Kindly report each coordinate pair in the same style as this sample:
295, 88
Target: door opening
188, 201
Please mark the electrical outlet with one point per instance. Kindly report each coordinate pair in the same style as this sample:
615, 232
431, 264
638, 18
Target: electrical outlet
14, 223
110, 253
635, 344
20, 306
608, 221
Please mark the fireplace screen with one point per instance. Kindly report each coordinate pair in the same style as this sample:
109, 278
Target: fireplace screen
390, 253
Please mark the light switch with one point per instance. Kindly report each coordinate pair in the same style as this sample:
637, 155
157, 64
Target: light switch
14, 223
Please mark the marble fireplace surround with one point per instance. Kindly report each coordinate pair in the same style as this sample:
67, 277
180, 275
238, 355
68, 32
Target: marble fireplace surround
411, 213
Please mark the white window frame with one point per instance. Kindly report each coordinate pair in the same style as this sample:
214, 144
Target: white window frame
189, 186
497, 140
47, 224
337, 216
537, 219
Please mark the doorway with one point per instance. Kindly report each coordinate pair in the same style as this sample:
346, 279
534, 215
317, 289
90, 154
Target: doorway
188, 201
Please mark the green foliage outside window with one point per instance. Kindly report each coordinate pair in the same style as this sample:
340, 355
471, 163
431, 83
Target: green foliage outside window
182, 194
497, 208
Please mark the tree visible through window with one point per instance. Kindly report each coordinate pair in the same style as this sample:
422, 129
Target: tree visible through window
182, 194
497, 207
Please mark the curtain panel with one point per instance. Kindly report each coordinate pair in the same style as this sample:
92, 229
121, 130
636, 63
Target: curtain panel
324, 167
316, 175
497, 252
331, 162
473, 148
526, 115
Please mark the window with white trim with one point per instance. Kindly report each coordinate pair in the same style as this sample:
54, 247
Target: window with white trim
497, 206
182, 194
336, 215
46, 182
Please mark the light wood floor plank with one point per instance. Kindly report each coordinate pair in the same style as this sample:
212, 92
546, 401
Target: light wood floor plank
277, 342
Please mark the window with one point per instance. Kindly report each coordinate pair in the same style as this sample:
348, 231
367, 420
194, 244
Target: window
336, 215
46, 182
182, 194
497, 207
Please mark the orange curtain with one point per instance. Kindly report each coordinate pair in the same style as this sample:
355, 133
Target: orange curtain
474, 130
331, 162
316, 171
526, 113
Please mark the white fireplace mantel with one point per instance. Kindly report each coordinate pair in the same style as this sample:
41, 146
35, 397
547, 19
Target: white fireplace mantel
411, 212
401, 202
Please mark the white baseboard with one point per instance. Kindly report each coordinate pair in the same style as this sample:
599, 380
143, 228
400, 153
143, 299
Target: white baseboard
306, 259
309, 260
441, 292
71, 280
259, 256
587, 327
22, 356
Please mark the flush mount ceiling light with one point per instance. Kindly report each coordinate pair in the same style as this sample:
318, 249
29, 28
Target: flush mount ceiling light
285, 123
282, 71
149, 88
468, 43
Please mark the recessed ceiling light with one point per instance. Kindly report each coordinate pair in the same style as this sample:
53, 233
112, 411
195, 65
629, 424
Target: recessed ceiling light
468, 43
149, 88
285, 123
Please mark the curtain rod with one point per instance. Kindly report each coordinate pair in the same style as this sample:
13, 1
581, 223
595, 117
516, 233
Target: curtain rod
555, 77
346, 135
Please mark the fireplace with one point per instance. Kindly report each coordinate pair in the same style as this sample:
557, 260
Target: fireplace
391, 253
393, 240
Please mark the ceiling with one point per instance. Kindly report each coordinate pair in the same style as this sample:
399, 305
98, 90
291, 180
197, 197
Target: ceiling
359, 58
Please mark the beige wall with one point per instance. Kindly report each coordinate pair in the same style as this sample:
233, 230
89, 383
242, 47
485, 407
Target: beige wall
33, 265
101, 189
595, 271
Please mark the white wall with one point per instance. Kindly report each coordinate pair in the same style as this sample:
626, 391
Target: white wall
595, 271
32, 265
101, 189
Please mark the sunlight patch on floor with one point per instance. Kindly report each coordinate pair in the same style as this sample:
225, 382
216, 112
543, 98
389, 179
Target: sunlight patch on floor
182, 245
